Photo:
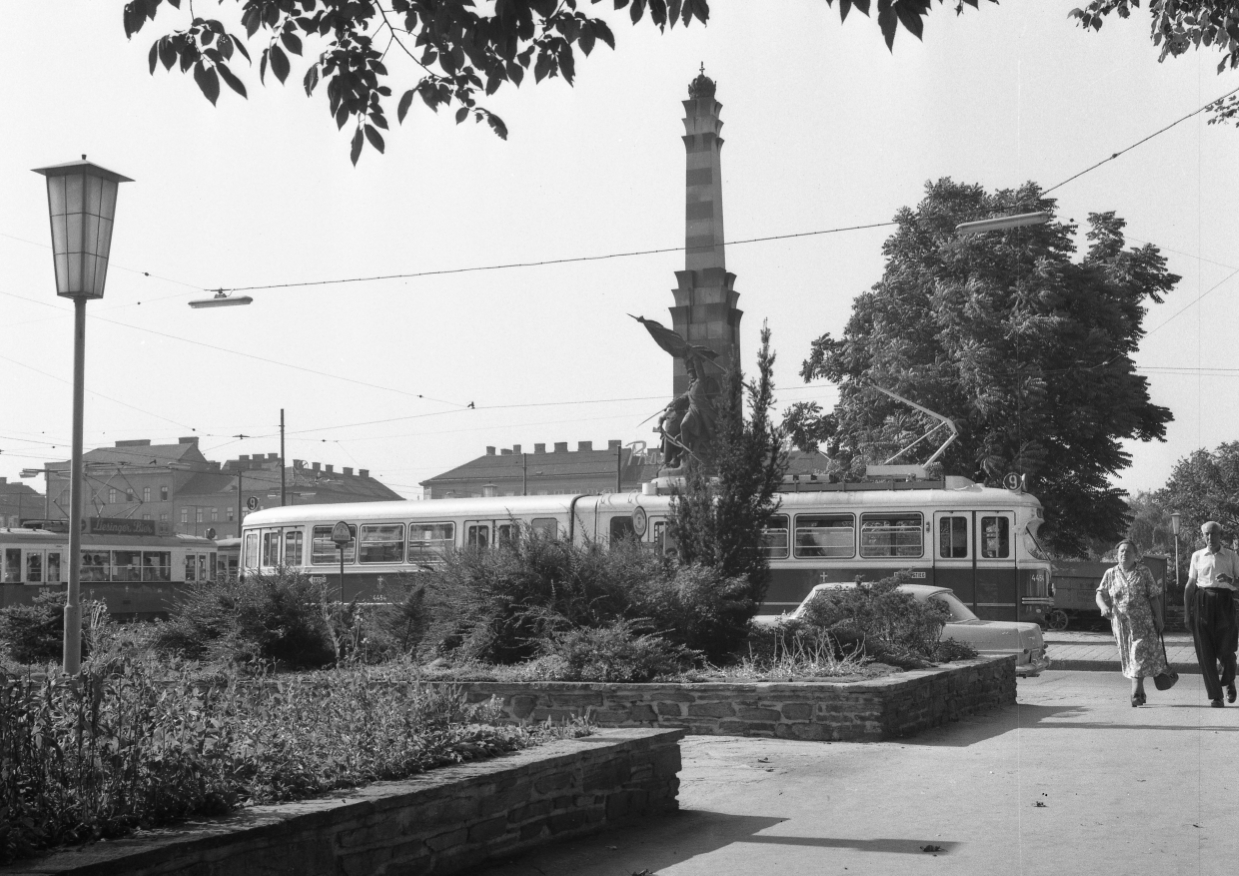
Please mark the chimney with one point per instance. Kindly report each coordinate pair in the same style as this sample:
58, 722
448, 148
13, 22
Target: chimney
364, 473
244, 457
516, 448
348, 471
314, 466
583, 446
273, 457
614, 444
539, 448
489, 491
503, 451
330, 469
188, 439
490, 451
561, 446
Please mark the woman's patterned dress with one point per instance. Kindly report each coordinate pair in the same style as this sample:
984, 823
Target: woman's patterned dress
1128, 595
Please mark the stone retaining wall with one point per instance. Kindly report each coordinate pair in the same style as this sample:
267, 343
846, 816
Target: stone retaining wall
440, 822
884, 708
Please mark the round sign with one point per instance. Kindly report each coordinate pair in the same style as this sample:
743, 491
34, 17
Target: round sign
340, 534
1011, 481
639, 521
252, 503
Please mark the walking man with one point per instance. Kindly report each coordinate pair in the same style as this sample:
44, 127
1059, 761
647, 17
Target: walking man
1208, 604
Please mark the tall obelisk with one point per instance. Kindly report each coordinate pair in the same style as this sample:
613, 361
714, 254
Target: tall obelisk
705, 310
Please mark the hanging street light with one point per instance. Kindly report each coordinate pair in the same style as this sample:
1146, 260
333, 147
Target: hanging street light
219, 299
81, 202
1174, 527
1002, 223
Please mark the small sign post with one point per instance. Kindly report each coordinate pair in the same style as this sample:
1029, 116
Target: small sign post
341, 535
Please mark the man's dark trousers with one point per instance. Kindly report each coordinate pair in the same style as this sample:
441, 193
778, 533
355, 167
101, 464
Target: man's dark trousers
1212, 634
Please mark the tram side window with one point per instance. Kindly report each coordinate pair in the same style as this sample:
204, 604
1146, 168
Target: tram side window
382, 543
774, 538
323, 550
548, 526
191, 568
126, 565
292, 547
428, 541
507, 533
271, 547
95, 566
157, 565
890, 535
953, 538
621, 528
53, 567
205, 562
995, 538
477, 535
12, 565
34, 567
825, 535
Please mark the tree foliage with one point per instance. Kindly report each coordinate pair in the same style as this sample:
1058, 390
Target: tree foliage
730, 496
456, 50
1028, 351
1205, 486
1176, 27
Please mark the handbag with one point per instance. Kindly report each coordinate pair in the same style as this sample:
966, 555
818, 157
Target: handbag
1165, 680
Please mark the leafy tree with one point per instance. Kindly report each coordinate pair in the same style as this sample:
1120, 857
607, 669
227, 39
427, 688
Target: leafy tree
1205, 486
730, 496
1028, 351
1178, 26
462, 50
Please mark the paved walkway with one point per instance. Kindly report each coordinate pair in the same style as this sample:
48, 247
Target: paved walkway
1072, 780
1096, 652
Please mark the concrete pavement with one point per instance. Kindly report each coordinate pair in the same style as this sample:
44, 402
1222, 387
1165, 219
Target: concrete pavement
1096, 651
1071, 780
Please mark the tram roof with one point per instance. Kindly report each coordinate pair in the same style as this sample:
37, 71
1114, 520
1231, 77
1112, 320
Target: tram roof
44, 536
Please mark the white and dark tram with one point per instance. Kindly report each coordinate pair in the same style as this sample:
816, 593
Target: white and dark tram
979, 541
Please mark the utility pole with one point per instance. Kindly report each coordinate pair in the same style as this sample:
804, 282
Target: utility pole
240, 490
283, 486
524, 474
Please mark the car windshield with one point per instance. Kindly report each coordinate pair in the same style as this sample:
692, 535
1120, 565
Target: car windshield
959, 611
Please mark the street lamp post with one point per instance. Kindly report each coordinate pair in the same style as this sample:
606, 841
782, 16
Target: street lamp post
81, 201
1174, 527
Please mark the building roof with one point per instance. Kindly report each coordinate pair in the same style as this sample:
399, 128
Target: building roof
554, 466
139, 453
303, 485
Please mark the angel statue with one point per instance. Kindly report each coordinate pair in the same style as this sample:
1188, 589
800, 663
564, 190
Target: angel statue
687, 424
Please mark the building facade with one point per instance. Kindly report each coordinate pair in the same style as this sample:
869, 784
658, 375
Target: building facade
19, 502
515, 472
177, 485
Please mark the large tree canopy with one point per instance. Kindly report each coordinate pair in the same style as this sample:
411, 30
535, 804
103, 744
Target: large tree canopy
1028, 351
456, 50
1205, 486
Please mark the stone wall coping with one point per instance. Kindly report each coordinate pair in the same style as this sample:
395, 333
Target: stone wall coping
149, 847
884, 684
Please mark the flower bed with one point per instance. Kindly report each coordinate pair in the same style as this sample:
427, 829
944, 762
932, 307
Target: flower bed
436, 823
869, 710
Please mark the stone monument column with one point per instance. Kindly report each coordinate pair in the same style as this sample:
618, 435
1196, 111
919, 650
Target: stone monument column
705, 312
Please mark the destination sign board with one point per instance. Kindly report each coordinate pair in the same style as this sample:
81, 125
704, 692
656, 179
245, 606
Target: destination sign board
119, 526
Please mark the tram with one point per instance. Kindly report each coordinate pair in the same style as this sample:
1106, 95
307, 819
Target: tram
979, 541
136, 567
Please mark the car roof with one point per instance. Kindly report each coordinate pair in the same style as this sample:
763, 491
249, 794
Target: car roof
922, 590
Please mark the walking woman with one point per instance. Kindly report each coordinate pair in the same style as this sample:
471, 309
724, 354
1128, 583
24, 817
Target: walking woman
1132, 600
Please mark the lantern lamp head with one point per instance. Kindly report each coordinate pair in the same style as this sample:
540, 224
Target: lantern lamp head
81, 201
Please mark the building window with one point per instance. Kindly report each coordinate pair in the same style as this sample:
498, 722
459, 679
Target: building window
228, 514
163, 494
146, 494
146, 517
214, 515
184, 515
164, 517
198, 516
112, 496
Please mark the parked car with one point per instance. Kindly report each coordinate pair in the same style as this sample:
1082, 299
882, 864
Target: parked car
989, 637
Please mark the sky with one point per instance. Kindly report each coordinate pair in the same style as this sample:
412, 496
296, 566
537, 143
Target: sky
824, 129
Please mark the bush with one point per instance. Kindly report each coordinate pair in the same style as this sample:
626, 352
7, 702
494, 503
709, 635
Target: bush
278, 618
34, 633
615, 652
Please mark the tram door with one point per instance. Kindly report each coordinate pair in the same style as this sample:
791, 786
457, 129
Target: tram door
997, 596
954, 565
